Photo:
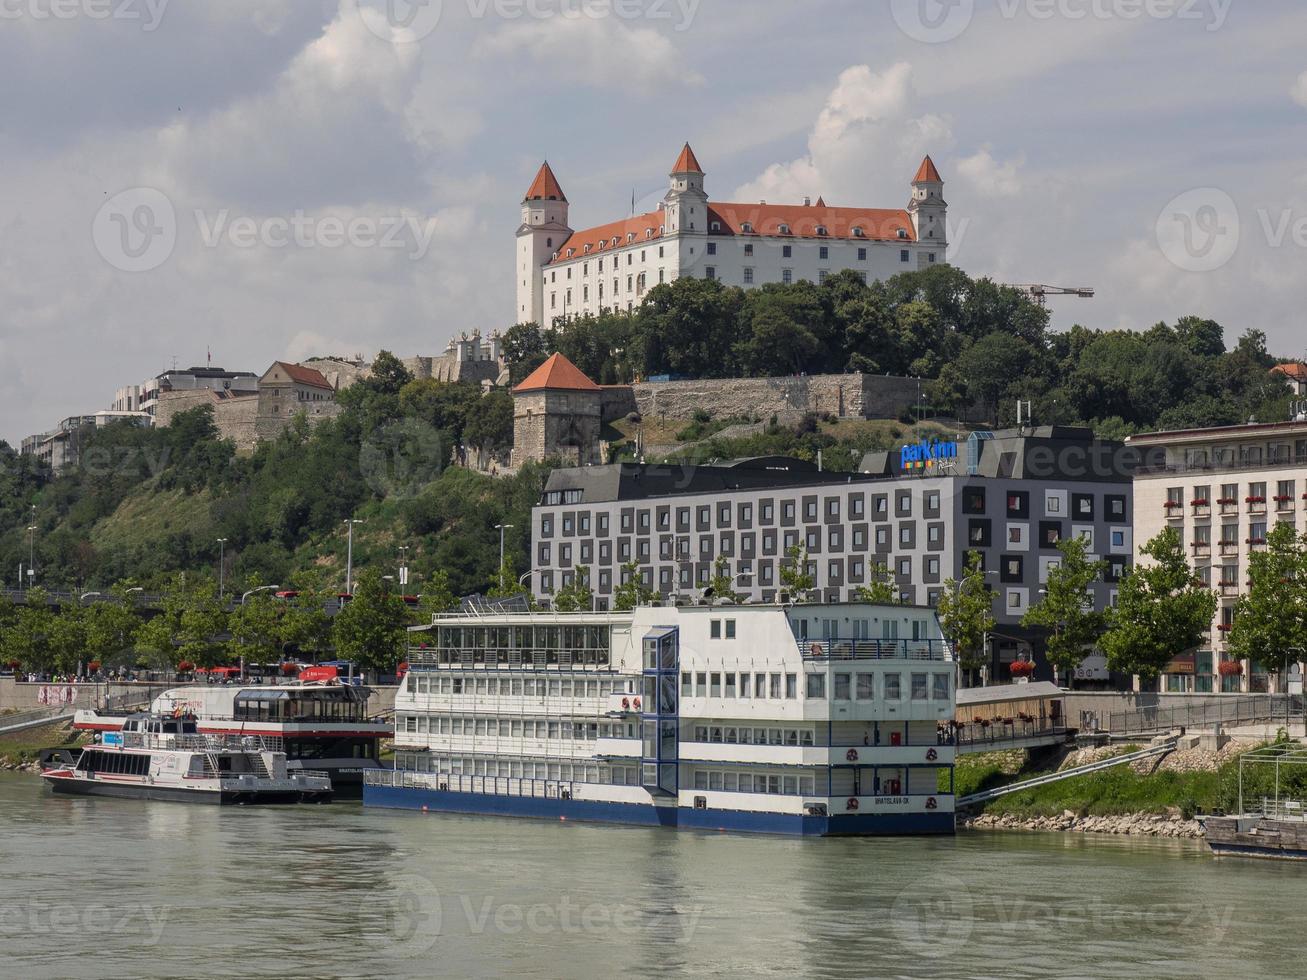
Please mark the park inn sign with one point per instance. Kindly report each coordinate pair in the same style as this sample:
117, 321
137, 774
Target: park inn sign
925, 456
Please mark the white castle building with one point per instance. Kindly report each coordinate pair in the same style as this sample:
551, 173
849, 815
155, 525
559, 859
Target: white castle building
565, 273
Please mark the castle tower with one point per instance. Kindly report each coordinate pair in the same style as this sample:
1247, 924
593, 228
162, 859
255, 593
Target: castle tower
929, 210
557, 412
543, 230
686, 204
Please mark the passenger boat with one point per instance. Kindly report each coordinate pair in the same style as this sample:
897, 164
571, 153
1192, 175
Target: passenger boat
807, 720
324, 725
153, 758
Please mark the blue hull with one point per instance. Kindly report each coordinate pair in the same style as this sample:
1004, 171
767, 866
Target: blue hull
647, 815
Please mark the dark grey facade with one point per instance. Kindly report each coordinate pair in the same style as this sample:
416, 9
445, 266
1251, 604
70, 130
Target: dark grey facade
1011, 496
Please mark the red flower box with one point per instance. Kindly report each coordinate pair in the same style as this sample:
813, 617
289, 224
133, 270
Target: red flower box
1281, 498
1224, 627
1173, 503
1229, 668
1200, 502
1021, 667
1226, 501
185, 665
1254, 500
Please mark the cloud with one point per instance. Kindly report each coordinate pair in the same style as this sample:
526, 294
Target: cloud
1299, 90
989, 177
864, 147
601, 52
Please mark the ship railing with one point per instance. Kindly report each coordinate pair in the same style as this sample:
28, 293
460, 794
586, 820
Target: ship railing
310, 772
546, 789
843, 648
1285, 810
204, 743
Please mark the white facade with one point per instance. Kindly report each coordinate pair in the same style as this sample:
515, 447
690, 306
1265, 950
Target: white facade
563, 273
1222, 490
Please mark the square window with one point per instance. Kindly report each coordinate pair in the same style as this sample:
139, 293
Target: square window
973, 500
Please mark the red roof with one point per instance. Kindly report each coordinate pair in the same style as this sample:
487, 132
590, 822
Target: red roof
876, 224
303, 375
880, 224
545, 187
557, 374
927, 172
1298, 372
686, 162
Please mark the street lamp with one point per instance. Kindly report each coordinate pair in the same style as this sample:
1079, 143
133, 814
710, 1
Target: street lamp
222, 554
403, 565
87, 595
31, 551
349, 556
501, 528
261, 588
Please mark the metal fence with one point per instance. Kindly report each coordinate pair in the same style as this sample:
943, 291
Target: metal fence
1230, 712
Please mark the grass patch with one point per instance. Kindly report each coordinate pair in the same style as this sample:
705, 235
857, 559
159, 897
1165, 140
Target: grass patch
26, 746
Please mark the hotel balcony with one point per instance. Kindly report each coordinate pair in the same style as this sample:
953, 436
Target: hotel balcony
1229, 590
1202, 549
1283, 505
1229, 547
1201, 508
1174, 510
1256, 505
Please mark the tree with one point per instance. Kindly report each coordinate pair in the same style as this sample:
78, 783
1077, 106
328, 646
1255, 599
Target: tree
371, 628
1270, 621
1067, 608
201, 622
505, 584
879, 589
437, 598
966, 613
26, 639
722, 583
632, 591
576, 595
1162, 611
66, 636
794, 571
255, 628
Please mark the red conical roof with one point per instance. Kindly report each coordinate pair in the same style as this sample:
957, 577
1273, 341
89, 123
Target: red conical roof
821, 202
686, 162
545, 187
927, 172
557, 374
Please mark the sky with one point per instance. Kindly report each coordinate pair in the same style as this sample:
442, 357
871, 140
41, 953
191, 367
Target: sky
277, 179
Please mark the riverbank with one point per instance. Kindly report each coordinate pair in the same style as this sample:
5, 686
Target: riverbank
20, 752
1155, 797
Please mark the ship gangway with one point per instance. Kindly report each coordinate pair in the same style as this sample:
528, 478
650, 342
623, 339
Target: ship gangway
984, 796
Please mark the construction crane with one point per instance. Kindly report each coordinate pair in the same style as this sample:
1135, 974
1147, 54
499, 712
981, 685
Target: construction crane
1040, 293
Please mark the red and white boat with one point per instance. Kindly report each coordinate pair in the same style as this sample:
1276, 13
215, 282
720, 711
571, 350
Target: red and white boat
324, 725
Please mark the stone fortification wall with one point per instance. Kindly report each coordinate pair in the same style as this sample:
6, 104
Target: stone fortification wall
863, 396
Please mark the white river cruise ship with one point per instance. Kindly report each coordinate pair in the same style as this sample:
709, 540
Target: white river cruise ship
799, 719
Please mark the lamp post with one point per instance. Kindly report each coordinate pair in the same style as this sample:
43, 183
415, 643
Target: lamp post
261, 588
403, 566
501, 528
31, 553
222, 555
349, 556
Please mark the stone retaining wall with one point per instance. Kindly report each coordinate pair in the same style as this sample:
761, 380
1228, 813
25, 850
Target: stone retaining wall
863, 396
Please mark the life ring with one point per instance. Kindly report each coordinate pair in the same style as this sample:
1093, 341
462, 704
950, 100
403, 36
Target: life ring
851, 755
853, 803
931, 755
626, 704
636, 704
931, 803
816, 650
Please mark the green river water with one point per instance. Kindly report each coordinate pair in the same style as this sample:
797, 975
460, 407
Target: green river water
112, 888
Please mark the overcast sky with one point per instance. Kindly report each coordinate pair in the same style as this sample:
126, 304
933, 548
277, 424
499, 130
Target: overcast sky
282, 178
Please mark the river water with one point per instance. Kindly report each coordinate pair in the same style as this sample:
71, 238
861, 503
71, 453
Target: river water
114, 888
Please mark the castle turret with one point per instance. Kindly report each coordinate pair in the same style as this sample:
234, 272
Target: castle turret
686, 204
543, 230
929, 211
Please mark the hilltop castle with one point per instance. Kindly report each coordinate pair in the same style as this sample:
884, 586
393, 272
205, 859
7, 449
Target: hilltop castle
563, 273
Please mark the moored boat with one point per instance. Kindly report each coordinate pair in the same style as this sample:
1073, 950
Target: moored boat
157, 758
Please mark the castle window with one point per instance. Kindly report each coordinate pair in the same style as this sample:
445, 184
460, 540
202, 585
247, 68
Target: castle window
784, 229
903, 233
824, 252
748, 275
587, 248
630, 257
630, 237
648, 233
748, 248
585, 268
822, 275
716, 226
630, 284
585, 294
787, 276
862, 255
821, 229
903, 255
787, 251
747, 227
931, 257
549, 243
571, 252
712, 248
710, 272
660, 251
857, 232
